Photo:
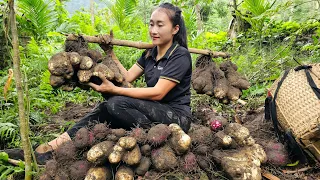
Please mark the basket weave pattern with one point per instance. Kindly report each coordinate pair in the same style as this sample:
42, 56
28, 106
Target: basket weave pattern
298, 108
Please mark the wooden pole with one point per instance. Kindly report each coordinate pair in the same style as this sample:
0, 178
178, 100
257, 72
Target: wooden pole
141, 45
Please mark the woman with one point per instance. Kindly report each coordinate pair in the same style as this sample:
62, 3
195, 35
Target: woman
167, 69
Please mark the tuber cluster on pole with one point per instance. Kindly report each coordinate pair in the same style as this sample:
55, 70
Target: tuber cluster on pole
78, 65
222, 82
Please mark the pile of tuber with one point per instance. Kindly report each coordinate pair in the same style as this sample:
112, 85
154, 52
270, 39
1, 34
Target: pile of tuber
160, 149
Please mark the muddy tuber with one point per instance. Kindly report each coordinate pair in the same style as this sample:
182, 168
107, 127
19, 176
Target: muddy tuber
223, 82
74, 68
235, 78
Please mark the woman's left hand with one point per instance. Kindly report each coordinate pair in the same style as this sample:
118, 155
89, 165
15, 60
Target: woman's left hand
105, 87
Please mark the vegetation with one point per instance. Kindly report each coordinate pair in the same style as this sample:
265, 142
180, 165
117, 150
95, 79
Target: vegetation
265, 38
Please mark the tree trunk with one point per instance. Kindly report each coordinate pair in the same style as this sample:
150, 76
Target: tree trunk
18, 80
239, 24
92, 12
198, 18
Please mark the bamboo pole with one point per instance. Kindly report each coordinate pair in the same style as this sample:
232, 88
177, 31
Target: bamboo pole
141, 45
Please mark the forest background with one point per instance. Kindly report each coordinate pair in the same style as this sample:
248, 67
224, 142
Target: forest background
264, 37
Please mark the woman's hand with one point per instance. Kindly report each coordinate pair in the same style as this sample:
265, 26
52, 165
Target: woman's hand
105, 87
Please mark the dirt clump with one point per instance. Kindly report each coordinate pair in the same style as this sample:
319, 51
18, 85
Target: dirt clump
66, 152
79, 169
83, 138
101, 131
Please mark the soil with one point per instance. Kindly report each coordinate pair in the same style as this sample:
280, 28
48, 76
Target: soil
71, 112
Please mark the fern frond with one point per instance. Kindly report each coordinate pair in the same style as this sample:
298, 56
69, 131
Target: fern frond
8, 131
122, 10
38, 16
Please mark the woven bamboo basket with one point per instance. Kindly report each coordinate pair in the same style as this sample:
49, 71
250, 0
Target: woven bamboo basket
298, 108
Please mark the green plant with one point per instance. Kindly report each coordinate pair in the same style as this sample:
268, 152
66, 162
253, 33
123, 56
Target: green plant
7, 171
210, 40
122, 12
189, 19
8, 131
37, 17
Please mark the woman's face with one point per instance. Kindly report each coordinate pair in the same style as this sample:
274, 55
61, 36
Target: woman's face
161, 29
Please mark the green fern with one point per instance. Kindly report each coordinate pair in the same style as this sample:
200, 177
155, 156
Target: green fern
257, 7
256, 12
38, 16
8, 131
121, 12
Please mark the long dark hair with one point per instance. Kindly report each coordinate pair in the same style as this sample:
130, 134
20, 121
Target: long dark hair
174, 14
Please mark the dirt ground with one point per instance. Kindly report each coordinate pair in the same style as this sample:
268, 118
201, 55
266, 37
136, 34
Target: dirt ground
69, 115
71, 112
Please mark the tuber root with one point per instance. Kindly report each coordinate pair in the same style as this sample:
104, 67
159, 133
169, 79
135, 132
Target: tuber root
124, 173
146, 150
139, 134
235, 79
79, 169
83, 138
114, 68
101, 131
158, 134
99, 152
132, 157
239, 133
74, 59
103, 69
86, 63
201, 135
143, 166
222, 140
127, 142
164, 159
188, 163
56, 81
116, 155
59, 64
84, 75
98, 173
179, 141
